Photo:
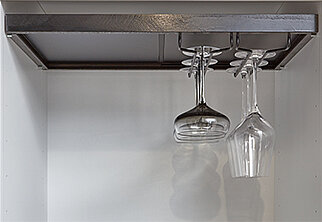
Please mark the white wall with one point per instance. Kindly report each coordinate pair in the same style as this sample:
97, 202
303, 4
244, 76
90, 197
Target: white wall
112, 157
23, 138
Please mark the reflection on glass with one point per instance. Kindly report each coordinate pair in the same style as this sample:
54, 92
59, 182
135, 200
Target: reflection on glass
196, 183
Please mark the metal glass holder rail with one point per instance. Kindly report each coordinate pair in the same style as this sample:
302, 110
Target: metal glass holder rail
299, 27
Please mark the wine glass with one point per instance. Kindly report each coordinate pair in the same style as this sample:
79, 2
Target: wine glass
250, 145
202, 123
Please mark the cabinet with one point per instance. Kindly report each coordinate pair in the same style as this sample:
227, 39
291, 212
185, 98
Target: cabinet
97, 145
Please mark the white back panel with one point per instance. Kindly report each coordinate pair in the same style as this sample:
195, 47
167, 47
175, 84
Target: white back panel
112, 157
24, 124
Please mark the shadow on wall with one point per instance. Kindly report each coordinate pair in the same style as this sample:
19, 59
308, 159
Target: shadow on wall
243, 199
196, 183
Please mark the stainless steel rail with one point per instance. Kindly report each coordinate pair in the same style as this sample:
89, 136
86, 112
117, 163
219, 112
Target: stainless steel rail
19, 26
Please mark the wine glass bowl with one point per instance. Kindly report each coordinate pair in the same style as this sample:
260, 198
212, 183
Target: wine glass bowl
251, 147
201, 124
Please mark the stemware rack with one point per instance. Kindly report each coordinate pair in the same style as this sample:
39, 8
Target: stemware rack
44, 38
249, 52
211, 51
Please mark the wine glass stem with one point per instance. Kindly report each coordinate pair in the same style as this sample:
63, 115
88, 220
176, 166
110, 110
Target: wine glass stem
244, 96
202, 77
197, 85
254, 104
248, 96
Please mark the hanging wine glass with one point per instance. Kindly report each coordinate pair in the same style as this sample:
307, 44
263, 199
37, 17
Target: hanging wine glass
250, 145
201, 124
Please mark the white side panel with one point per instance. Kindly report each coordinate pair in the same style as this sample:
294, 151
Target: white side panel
24, 124
112, 157
298, 150
1, 114
298, 188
